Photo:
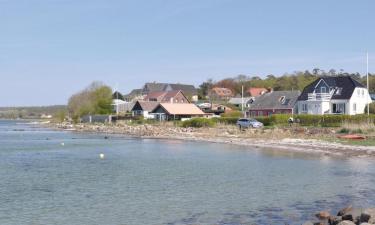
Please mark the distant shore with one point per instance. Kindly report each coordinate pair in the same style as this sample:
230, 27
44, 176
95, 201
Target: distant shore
294, 139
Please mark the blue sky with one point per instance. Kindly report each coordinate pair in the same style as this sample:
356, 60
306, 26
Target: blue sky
50, 49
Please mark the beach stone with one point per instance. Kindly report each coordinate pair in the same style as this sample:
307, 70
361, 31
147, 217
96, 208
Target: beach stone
365, 224
344, 210
323, 215
334, 220
308, 223
365, 217
353, 215
348, 217
346, 222
371, 213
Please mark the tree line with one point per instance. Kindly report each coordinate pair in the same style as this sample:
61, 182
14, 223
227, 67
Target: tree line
297, 80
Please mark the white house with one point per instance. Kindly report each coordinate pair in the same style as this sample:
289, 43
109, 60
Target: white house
334, 95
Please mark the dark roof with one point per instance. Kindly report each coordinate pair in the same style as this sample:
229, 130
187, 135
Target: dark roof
153, 87
145, 106
346, 83
117, 95
273, 100
186, 88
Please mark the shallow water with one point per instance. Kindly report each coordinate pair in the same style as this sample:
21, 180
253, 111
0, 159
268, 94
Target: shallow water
143, 181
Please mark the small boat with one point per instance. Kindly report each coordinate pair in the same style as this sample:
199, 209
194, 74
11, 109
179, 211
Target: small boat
353, 137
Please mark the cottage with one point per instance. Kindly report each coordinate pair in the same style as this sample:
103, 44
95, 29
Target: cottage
220, 93
334, 95
276, 102
189, 90
176, 111
167, 97
142, 108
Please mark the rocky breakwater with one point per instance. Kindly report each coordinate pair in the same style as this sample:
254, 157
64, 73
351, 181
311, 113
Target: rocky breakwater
346, 216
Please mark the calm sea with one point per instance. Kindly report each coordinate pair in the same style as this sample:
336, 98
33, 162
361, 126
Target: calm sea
141, 181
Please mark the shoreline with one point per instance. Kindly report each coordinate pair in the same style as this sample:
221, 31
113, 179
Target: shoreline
280, 139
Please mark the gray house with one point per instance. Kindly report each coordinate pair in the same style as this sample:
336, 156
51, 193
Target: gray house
275, 102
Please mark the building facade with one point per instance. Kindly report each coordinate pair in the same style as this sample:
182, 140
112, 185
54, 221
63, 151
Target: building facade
334, 95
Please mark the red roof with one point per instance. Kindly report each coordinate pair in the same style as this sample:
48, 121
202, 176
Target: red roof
254, 92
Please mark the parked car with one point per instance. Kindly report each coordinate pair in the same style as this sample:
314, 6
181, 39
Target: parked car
247, 122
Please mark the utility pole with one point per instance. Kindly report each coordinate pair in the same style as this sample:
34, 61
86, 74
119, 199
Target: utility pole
368, 89
243, 113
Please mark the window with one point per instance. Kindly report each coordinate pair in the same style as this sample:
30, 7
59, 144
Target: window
363, 93
338, 108
304, 107
355, 107
260, 113
323, 90
358, 92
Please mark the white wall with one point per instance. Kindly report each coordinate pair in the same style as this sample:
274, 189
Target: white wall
360, 97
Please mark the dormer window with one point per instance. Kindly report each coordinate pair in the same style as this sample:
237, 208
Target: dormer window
323, 90
282, 99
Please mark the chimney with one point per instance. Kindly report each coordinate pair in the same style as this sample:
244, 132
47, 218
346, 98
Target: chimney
172, 100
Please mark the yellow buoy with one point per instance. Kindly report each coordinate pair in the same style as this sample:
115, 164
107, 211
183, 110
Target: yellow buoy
101, 155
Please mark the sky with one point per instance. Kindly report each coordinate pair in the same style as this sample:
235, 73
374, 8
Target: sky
51, 49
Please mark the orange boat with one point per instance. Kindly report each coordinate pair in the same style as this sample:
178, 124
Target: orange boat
353, 137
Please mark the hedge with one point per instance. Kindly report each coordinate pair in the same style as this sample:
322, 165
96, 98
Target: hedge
282, 119
198, 122
315, 120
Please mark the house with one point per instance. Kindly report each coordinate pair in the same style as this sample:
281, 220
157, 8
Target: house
334, 95
142, 108
120, 106
255, 91
220, 93
134, 95
238, 101
189, 90
167, 96
275, 102
176, 111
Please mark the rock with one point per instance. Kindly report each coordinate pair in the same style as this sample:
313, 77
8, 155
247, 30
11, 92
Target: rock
346, 222
322, 215
371, 213
348, 217
353, 215
308, 223
344, 210
364, 218
365, 224
334, 220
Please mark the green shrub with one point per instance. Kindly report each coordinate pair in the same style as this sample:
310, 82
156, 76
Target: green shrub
343, 131
232, 114
198, 122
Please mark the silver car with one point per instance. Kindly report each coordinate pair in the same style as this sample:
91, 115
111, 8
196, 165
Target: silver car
246, 123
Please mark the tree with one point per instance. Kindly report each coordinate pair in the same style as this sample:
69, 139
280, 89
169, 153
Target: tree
95, 99
117, 95
204, 88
